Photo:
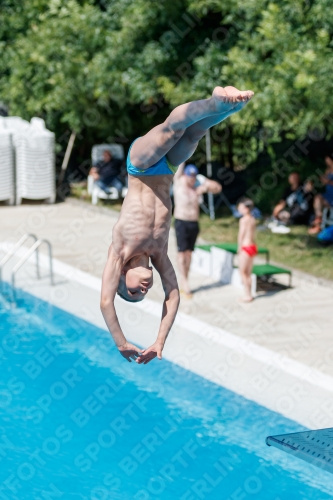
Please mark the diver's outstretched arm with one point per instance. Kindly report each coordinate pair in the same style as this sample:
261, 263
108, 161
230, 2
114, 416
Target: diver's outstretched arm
165, 269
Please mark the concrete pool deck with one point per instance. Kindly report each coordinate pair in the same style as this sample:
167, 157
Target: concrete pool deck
246, 347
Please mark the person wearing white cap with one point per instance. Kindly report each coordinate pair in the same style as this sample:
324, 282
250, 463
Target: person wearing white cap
188, 187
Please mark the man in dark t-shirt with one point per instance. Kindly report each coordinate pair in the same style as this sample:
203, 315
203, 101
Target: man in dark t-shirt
296, 205
106, 172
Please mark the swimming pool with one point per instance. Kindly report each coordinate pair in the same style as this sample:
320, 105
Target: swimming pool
79, 422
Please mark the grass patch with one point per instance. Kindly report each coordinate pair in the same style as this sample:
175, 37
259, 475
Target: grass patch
296, 249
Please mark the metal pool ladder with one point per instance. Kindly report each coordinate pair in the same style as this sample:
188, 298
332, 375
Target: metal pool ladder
33, 249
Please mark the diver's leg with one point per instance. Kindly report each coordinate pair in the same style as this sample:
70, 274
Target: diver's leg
150, 148
187, 144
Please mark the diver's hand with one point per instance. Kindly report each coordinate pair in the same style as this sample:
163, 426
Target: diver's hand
129, 351
152, 352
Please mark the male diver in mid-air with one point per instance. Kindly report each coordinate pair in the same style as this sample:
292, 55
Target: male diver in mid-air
140, 236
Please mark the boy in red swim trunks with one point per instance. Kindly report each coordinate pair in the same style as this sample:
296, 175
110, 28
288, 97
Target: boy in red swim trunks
247, 249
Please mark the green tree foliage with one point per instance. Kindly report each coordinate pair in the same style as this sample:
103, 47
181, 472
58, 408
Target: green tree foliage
282, 51
116, 67
49, 61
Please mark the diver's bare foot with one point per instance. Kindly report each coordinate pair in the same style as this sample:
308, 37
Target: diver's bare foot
186, 294
230, 98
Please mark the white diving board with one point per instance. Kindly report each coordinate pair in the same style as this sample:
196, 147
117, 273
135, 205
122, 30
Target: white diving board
315, 447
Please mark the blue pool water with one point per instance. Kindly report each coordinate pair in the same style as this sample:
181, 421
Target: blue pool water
79, 422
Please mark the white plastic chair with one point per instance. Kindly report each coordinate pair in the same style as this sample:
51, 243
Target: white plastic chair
35, 164
16, 124
7, 185
38, 123
95, 191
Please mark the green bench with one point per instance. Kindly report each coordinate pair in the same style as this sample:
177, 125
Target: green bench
259, 270
269, 270
232, 248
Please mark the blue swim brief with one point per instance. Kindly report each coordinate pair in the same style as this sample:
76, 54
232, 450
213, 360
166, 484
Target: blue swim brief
162, 167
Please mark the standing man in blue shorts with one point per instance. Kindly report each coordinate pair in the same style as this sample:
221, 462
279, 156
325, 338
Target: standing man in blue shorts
140, 237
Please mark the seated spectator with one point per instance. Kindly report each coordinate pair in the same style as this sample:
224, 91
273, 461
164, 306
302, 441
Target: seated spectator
324, 199
296, 205
106, 173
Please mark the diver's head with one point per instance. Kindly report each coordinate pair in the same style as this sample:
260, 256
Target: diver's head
136, 279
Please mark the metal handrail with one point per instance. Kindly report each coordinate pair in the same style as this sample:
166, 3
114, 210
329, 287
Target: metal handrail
25, 257
13, 251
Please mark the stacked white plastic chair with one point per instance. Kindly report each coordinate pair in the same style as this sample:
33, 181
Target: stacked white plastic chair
35, 161
96, 192
7, 180
16, 124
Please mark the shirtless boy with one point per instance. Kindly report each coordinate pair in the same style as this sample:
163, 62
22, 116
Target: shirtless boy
247, 249
141, 234
186, 191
